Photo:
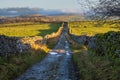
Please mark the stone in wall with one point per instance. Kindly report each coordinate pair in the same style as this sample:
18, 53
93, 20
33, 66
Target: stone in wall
91, 43
11, 45
85, 40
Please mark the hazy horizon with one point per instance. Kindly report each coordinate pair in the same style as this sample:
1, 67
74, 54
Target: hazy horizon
63, 5
45, 4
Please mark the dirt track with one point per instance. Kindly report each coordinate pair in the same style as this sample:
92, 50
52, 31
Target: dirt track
57, 65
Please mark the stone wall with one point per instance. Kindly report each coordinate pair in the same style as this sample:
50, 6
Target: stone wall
11, 45
14, 45
52, 38
84, 40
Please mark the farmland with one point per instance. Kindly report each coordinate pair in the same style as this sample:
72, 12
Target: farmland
90, 64
90, 28
28, 29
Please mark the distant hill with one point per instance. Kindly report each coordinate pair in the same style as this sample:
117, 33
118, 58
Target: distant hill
40, 18
68, 17
12, 12
11, 15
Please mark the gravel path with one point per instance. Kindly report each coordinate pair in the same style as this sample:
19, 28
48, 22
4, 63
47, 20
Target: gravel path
56, 66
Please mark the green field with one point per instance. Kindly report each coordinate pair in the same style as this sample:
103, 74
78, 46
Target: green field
90, 28
25, 30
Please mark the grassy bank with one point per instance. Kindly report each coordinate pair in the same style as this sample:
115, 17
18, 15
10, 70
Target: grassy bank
92, 67
16, 64
24, 30
102, 62
13, 66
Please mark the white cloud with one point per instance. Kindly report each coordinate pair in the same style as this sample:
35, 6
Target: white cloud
13, 11
70, 11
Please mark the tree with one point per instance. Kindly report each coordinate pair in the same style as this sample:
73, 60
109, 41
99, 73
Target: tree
108, 8
102, 9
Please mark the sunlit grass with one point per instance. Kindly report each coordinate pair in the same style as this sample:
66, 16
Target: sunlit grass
29, 30
91, 28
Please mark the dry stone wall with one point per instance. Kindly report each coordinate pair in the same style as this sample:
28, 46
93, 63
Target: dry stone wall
85, 40
14, 45
11, 45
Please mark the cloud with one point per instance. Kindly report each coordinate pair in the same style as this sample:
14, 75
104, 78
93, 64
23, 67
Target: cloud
70, 11
24, 11
13, 12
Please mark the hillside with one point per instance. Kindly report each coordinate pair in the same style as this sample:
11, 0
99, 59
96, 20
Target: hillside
13, 12
41, 18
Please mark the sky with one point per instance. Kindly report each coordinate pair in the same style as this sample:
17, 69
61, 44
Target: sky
64, 5
46, 4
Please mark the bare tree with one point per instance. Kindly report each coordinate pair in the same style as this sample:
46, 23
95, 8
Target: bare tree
102, 9
108, 8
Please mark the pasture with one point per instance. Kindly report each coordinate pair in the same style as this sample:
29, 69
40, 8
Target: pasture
90, 28
28, 29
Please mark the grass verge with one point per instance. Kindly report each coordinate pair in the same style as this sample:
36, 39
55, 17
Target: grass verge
13, 66
92, 67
